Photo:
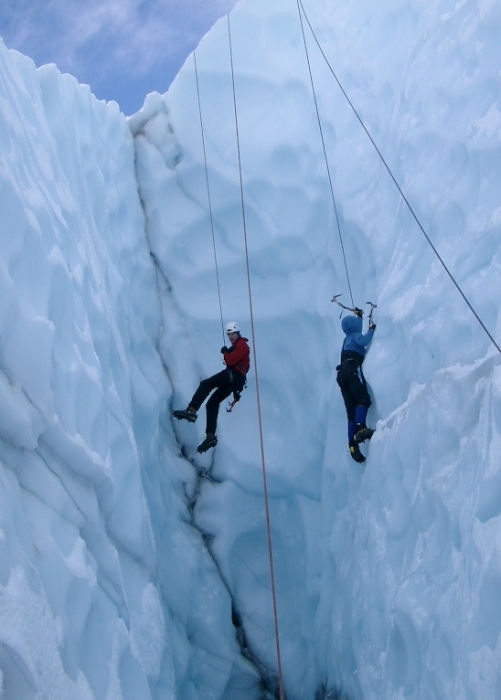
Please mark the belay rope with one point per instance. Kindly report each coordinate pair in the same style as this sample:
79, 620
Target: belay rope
390, 173
208, 195
253, 336
258, 397
325, 151
236, 394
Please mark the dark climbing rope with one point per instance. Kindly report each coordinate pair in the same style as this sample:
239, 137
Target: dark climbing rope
209, 197
324, 149
390, 173
254, 354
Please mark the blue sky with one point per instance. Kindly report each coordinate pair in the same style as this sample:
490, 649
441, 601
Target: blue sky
122, 48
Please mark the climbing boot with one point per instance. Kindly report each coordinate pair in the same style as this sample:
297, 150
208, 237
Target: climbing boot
355, 452
363, 433
210, 441
189, 414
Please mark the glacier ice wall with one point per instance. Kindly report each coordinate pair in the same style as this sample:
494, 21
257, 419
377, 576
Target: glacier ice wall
73, 517
121, 574
386, 584
103, 580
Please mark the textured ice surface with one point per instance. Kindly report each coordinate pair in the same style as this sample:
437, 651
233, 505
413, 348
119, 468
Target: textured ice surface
91, 484
121, 575
386, 587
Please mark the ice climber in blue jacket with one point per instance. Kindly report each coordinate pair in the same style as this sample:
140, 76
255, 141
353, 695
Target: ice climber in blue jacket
352, 382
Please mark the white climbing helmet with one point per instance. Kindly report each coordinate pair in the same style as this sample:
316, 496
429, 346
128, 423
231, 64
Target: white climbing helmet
232, 327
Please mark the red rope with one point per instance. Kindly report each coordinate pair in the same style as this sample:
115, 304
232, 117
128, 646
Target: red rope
258, 396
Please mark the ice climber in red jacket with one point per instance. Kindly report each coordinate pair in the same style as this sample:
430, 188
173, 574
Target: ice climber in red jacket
231, 379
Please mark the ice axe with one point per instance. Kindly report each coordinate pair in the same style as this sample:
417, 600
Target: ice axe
356, 311
231, 404
373, 306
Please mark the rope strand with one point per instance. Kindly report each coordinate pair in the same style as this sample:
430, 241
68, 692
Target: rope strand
390, 173
324, 150
260, 421
209, 197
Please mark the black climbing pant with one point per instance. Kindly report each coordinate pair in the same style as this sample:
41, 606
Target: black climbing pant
353, 386
225, 382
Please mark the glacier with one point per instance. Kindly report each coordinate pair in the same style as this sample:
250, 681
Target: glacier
123, 574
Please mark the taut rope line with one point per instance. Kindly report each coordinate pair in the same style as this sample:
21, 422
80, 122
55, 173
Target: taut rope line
324, 150
390, 173
260, 421
208, 196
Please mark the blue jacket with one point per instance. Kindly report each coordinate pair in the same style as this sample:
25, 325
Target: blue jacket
355, 341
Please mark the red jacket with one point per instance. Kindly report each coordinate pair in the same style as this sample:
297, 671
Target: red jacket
238, 356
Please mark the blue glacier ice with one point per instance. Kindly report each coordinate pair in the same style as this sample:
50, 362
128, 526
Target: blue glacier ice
125, 576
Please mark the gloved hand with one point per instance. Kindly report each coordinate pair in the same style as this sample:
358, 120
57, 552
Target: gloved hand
372, 325
224, 349
358, 312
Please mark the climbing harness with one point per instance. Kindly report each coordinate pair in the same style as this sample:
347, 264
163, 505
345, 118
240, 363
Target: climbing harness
258, 396
390, 173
